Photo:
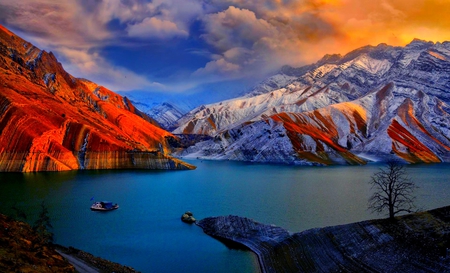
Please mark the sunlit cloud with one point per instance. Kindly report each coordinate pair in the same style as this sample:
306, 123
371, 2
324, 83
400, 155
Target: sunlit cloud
154, 27
299, 32
248, 44
240, 38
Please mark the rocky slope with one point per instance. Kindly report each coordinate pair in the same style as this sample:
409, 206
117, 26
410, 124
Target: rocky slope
20, 250
413, 243
370, 104
51, 121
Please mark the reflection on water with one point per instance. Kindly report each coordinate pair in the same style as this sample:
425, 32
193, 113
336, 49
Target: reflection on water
147, 234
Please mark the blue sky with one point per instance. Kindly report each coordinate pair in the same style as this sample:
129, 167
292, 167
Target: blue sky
216, 48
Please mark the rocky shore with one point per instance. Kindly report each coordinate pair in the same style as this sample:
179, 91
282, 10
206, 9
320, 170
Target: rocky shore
412, 243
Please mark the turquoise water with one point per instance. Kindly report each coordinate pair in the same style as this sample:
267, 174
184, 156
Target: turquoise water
146, 232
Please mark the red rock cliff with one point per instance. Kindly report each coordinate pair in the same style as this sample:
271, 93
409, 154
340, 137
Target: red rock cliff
51, 121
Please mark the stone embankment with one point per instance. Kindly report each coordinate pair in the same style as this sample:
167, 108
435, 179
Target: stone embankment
412, 243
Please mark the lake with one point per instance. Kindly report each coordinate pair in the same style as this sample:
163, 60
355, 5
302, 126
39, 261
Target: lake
146, 232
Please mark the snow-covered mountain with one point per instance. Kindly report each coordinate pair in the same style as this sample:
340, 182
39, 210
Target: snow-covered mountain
372, 103
166, 114
165, 110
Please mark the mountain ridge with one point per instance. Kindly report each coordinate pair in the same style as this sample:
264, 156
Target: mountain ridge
402, 90
52, 121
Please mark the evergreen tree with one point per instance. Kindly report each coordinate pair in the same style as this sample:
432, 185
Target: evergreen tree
43, 227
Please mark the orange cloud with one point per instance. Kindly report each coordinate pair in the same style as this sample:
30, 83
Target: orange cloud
275, 32
395, 22
244, 38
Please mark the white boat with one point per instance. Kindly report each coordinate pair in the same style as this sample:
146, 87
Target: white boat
104, 206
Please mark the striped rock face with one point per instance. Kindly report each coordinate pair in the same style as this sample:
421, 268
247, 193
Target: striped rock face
51, 121
371, 104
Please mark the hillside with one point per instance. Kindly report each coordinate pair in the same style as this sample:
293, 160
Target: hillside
21, 250
371, 104
412, 243
52, 121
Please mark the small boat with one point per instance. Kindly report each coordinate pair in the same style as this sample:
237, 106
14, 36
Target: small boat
104, 206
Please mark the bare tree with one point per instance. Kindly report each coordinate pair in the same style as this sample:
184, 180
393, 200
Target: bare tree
394, 190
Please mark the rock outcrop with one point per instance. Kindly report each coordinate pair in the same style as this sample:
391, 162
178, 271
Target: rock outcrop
188, 217
51, 121
412, 243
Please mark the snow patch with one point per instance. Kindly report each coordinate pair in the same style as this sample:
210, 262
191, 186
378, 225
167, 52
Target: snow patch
49, 77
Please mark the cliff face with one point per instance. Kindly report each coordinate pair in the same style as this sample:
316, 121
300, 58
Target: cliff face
412, 243
373, 103
51, 121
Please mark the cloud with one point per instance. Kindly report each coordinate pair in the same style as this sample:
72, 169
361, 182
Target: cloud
92, 66
235, 27
227, 39
218, 70
151, 19
275, 32
57, 22
377, 22
78, 30
155, 27
248, 45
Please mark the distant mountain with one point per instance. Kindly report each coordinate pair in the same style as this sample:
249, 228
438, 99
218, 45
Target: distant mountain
372, 103
51, 121
168, 107
166, 114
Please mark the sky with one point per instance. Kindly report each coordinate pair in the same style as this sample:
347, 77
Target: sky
212, 47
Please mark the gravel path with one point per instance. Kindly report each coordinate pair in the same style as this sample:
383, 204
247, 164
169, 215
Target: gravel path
80, 265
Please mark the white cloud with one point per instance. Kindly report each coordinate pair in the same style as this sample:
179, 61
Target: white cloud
218, 68
244, 38
155, 27
259, 36
92, 66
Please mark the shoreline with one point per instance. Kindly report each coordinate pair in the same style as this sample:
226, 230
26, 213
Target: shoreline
411, 243
86, 262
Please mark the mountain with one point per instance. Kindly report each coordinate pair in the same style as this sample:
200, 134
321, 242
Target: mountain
166, 114
375, 102
168, 107
52, 121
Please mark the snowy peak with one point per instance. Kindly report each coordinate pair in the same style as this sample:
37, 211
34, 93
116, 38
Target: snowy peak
372, 103
419, 44
370, 65
166, 114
